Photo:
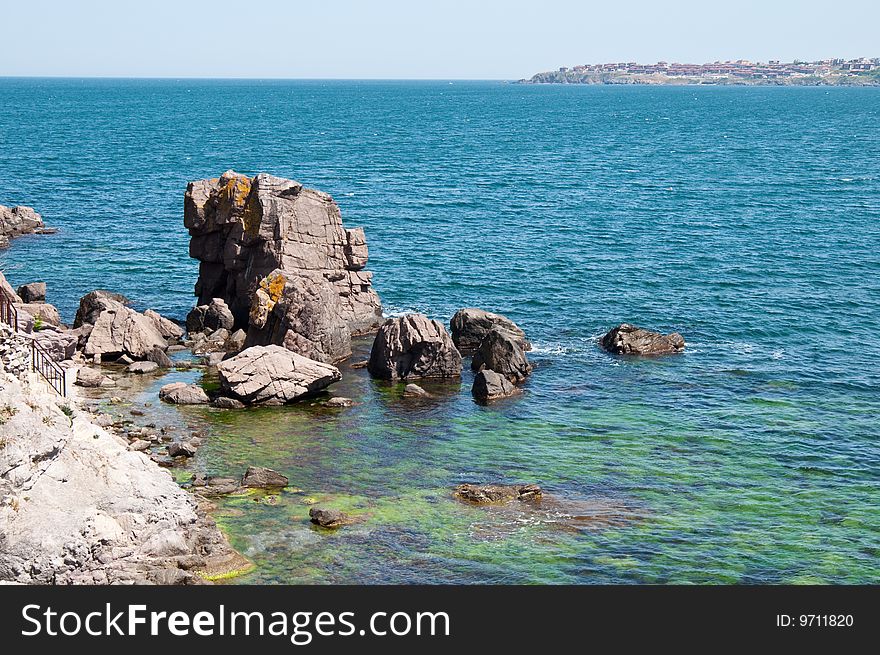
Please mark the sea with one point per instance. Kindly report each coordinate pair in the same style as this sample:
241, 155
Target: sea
745, 218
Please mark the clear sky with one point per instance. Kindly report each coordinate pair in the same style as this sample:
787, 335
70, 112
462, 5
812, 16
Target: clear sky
452, 39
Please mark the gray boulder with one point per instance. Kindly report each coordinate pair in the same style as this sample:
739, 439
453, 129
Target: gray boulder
210, 317
258, 477
273, 375
119, 331
90, 377
164, 326
180, 393
500, 351
143, 367
46, 313
181, 449
33, 292
19, 220
158, 356
489, 385
469, 327
328, 518
415, 391
413, 346
224, 402
628, 339
94, 303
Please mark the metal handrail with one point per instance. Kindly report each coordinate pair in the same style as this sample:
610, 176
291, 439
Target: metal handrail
8, 312
41, 361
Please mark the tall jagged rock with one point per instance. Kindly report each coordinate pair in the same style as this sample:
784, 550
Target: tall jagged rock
278, 255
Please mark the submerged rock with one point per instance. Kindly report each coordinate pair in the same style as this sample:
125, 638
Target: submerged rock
489, 385
484, 494
32, 292
338, 401
279, 255
273, 375
415, 391
181, 393
628, 339
413, 346
259, 477
499, 351
469, 327
329, 518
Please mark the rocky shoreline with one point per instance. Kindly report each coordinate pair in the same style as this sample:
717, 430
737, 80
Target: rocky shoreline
282, 290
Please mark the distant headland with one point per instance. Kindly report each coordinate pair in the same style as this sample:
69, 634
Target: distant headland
832, 72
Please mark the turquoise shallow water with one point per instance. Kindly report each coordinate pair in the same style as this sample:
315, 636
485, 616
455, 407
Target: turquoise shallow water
748, 219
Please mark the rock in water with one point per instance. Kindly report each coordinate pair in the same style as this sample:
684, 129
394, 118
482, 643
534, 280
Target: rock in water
415, 391
245, 229
143, 367
182, 449
210, 317
469, 327
413, 346
33, 292
328, 518
258, 477
16, 221
273, 375
628, 339
486, 494
158, 356
180, 393
501, 352
489, 385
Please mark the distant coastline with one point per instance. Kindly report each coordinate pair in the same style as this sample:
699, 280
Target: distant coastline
827, 72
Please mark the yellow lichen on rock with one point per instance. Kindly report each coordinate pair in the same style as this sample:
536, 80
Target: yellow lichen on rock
268, 293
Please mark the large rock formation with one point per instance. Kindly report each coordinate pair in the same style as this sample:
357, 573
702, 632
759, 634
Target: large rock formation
469, 326
501, 351
273, 375
278, 255
413, 346
15, 221
628, 339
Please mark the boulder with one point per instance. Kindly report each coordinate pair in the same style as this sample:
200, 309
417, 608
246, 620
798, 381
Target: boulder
273, 375
164, 326
500, 351
489, 385
181, 449
32, 292
301, 313
180, 393
469, 327
328, 518
58, 345
236, 342
94, 303
143, 367
244, 229
19, 220
489, 494
258, 477
119, 330
7, 290
90, 377
158, 356
46, 313
338, 401
209, 317
628, 339
413, 346
212, 343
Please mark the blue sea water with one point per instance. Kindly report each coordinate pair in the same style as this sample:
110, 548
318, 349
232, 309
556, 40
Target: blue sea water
748, 219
